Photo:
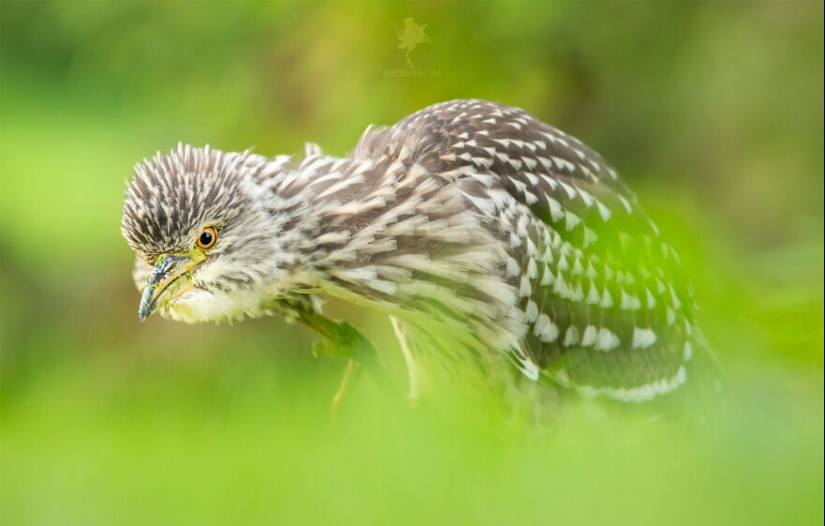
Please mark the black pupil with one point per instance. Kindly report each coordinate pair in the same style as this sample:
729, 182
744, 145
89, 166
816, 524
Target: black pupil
206, 238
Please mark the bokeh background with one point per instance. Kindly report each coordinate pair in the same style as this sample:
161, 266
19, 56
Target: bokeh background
713, 111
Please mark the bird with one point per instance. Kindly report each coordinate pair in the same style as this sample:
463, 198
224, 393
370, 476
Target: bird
505, 252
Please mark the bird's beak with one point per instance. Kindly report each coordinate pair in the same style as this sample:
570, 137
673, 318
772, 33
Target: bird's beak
170, 278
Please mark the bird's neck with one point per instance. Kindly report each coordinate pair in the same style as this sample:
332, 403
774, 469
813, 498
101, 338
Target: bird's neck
327, 211
383, 234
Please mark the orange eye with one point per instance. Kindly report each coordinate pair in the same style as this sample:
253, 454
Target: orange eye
208, 237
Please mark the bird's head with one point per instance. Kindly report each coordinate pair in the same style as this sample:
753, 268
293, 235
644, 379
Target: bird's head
196, 220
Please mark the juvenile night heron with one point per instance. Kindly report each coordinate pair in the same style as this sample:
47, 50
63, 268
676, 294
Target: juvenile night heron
501, 247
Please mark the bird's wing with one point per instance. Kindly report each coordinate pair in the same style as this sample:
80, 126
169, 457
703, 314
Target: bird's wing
608, 308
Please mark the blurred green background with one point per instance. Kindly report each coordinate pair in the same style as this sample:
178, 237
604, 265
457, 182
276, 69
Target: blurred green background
713, 111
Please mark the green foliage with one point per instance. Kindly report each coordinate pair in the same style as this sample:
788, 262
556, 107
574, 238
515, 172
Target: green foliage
712, 111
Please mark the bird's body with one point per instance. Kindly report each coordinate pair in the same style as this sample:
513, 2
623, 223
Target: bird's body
490, 237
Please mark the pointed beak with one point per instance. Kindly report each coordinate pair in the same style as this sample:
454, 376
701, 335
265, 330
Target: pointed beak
170, 278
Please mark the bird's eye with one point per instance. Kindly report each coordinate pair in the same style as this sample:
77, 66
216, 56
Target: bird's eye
208, 237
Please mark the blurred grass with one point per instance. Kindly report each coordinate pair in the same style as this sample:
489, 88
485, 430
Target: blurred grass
713, 112
253, 446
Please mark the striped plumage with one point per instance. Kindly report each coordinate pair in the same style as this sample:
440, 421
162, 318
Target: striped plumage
489, 237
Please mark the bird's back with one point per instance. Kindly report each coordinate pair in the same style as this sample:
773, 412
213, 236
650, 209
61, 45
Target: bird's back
601, 299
